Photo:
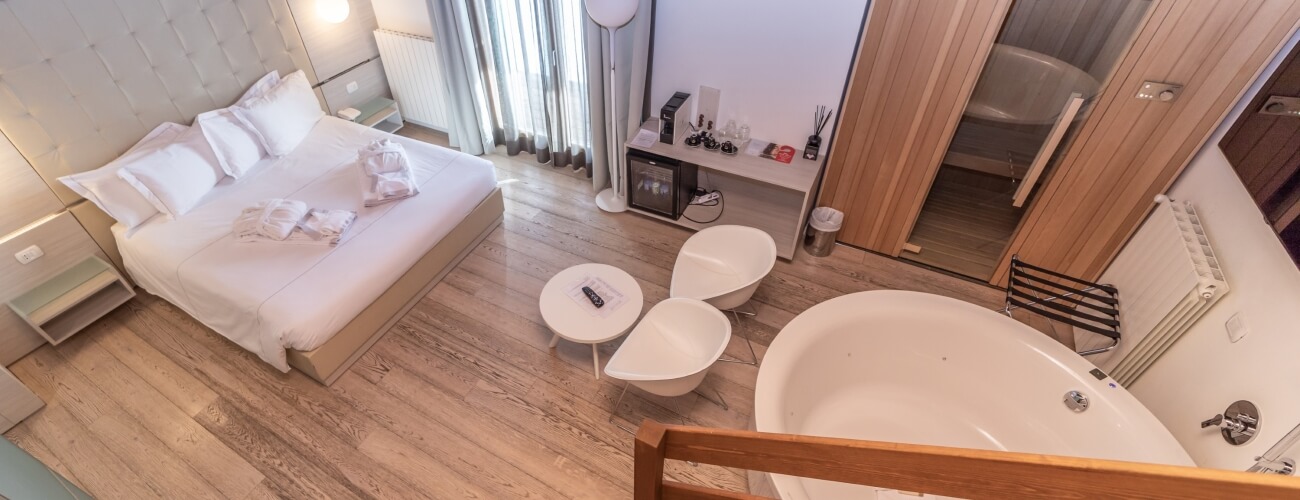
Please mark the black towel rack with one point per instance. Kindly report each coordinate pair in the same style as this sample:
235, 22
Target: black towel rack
1082, 304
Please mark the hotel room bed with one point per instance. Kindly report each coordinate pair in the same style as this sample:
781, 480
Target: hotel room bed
273, 297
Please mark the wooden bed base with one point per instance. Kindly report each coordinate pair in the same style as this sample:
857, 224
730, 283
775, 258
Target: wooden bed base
329, 361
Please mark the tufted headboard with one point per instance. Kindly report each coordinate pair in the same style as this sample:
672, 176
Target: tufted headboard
83, 80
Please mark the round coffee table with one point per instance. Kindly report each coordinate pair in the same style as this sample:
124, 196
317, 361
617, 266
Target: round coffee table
574, 322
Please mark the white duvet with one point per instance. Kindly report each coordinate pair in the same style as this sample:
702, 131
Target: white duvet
269, 297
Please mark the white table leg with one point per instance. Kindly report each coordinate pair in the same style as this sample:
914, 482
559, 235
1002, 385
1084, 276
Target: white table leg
555, 340
595, 360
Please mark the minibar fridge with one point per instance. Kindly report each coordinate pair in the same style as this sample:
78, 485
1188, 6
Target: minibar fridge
659, 184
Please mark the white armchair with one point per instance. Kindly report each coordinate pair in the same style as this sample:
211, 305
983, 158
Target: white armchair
670, 351
723, 265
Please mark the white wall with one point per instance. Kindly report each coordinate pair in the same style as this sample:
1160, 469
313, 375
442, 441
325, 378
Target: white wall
407, 16
1204, 372
774, 60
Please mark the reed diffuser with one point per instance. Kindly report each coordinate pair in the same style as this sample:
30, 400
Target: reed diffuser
821, 117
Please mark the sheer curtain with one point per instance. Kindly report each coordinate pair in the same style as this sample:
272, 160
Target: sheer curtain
532, 61
459, 57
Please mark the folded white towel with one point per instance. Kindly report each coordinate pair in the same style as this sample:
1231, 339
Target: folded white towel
291, 222
323, 227
387, 173
271, 219
390, 187
383, 156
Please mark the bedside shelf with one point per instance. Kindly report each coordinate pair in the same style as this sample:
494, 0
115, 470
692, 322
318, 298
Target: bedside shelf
72, 300
380, 113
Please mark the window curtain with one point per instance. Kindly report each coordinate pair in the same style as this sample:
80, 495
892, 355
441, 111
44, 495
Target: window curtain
532, 62
506, 87
458, 54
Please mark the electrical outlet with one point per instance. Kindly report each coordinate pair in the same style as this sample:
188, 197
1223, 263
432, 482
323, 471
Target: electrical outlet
704, 198
27, 255
352, 87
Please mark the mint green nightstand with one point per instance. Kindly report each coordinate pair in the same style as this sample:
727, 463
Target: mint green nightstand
72, 299
380, 113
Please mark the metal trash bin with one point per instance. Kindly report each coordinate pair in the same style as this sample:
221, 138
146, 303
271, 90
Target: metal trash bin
823, 226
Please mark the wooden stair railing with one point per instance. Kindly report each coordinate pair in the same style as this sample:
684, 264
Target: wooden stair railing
938, 470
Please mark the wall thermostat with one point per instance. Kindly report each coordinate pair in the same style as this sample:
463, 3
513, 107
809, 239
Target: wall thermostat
1159, 91
1281, 106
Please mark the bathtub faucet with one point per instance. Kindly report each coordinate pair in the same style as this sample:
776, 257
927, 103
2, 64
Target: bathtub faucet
1239, 424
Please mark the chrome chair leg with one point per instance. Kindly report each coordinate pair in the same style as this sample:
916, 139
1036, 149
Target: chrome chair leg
753, 356
619, 402
614, 412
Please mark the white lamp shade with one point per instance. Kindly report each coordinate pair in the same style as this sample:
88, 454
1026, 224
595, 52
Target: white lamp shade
611, 13
333, 11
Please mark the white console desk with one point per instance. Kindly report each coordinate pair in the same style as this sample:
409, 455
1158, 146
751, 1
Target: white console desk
769, 195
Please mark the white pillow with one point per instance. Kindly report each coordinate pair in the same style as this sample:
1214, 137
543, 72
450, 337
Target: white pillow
235, 145
260, 87
284, 116
115, 196
175, 178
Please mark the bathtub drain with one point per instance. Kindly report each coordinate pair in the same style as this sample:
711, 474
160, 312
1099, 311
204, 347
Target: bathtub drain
1076, 401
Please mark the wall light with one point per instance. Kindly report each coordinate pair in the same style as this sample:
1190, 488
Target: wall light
333, 11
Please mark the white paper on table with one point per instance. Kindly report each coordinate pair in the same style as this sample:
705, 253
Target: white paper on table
756, 147
645, 138
613, 298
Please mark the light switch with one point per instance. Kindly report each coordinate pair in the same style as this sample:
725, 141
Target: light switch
1237, 328
27, 255
352, 87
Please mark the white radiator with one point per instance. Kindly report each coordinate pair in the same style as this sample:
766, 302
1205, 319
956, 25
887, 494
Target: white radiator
1167, 278
415, 76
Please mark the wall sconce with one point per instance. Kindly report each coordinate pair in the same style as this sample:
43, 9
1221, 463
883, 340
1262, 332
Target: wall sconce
333, 11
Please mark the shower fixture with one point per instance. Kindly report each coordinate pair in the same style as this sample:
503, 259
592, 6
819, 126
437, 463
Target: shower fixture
1238, 423
1272, 461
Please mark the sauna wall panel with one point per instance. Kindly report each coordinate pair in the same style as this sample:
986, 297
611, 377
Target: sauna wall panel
1265, 150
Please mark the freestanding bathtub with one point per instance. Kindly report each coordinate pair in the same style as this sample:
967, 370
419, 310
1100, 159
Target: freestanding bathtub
918, 368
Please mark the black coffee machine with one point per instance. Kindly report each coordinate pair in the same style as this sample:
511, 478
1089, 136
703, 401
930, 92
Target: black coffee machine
674, 118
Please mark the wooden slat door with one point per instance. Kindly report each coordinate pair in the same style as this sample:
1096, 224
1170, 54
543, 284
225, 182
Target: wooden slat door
1265, 149
1130, 150
918, 62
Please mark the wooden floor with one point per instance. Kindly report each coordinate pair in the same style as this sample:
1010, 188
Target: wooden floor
966, 223
461, 399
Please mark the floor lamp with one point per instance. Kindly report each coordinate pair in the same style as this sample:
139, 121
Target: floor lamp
612, 14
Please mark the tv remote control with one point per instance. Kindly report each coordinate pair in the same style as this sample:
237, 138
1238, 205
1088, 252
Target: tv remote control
595, 299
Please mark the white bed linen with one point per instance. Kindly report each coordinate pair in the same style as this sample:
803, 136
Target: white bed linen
268, 298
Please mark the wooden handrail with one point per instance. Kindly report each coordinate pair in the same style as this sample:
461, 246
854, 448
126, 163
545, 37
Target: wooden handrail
938, 470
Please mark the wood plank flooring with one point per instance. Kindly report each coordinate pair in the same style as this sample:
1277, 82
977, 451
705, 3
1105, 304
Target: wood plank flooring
966, 223
462, 398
